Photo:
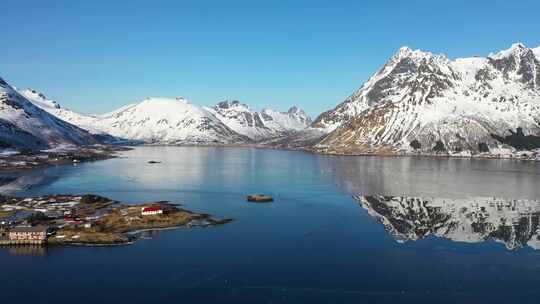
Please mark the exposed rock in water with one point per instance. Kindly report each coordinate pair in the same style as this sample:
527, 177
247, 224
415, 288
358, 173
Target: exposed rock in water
259, 198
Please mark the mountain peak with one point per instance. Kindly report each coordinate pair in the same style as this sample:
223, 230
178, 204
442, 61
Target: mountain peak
2, 82
517, 49
407, 52
404, 50
297, 111
228, 104
164, 100
294, 109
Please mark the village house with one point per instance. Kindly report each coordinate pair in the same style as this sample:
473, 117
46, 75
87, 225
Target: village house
152, 210
28, 234
3, 234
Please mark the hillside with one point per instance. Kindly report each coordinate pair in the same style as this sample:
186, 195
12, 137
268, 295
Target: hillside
25, 125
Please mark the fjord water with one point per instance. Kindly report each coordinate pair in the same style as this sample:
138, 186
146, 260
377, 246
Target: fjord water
314, 244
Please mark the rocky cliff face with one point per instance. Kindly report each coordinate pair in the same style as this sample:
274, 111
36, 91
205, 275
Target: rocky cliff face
426, 103
515, 223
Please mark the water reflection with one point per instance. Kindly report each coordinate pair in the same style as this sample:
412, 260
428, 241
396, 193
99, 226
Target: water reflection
433, 177
11, 182
28, 250
185, 166
515, 223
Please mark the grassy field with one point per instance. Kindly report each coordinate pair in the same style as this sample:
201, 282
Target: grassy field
4, 214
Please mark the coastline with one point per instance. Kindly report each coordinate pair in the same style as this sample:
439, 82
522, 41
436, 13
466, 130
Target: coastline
90, 220
28, 160
516, 155
74, 156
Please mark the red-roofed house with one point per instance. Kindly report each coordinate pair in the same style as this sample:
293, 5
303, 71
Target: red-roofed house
153, 210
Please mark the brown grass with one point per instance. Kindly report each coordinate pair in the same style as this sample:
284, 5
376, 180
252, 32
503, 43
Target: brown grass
4, 214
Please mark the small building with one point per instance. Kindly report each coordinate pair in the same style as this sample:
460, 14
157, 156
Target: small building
32, 234
53, 214
152, 210
3, 234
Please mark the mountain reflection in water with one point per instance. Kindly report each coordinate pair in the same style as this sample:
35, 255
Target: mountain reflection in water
16, 181
515, 223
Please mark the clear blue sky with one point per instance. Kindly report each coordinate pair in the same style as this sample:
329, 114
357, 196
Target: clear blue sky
95, 56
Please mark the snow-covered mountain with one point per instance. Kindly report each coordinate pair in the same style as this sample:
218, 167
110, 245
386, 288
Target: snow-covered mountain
177, 121
154, 120
537, 52
421, 102
85, 121
91, 123
515, 223
25, 125
260, 125
168, 121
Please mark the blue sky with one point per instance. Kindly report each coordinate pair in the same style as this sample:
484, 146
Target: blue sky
95, 56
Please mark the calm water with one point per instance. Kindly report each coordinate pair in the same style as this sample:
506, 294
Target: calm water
314, 244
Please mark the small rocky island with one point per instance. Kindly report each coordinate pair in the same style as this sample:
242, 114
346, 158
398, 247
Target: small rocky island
88, 220
259, 198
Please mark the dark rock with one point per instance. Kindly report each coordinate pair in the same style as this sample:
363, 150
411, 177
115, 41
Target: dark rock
483, 147
415, 144
519, 140
439, 147
93, 199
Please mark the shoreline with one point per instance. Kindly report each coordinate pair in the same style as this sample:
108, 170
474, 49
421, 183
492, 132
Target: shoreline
90, 220
515, 156
46, 158
41, 159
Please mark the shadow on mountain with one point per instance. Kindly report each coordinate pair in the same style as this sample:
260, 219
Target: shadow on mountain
515, 223
108, 139
519, 140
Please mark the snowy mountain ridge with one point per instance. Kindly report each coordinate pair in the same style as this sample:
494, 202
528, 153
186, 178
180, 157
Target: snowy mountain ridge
84, 121
167, 121
419, 101
260, 125
537, 52
161, 120
25, 125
